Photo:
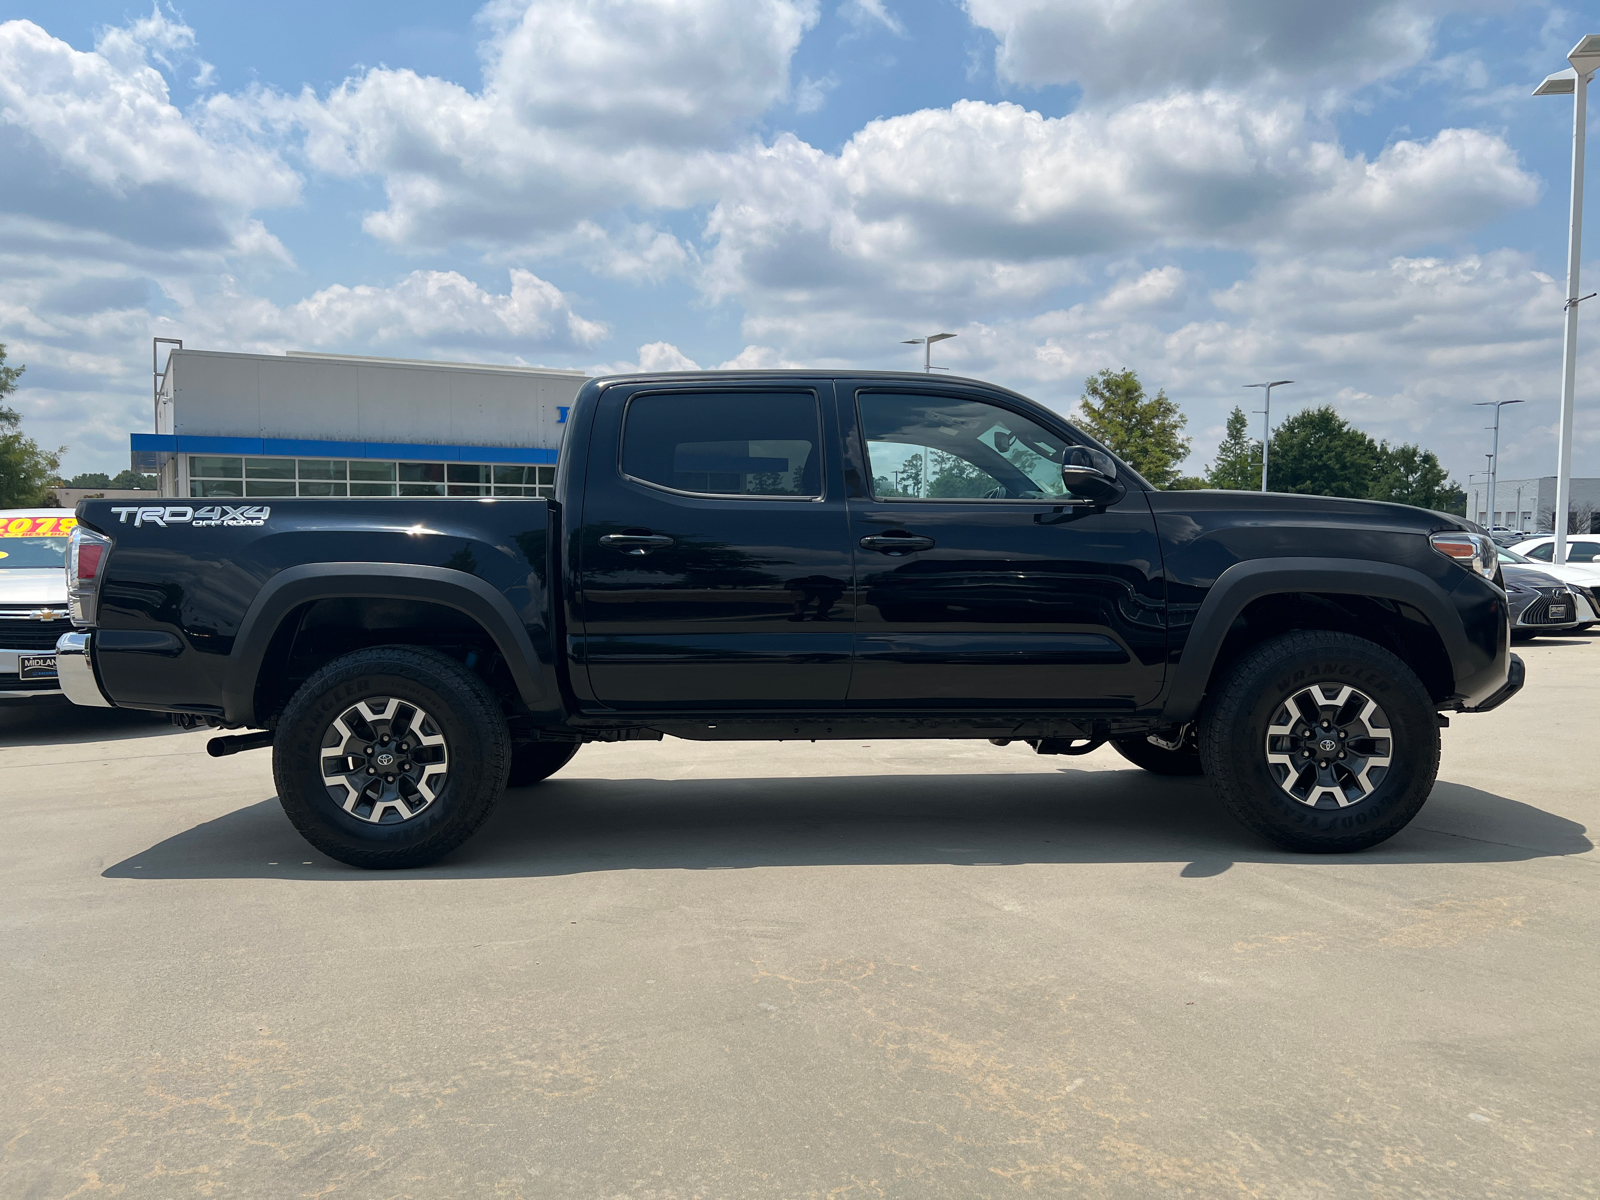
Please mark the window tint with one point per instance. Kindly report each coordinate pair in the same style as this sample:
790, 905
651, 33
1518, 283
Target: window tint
1543, 553
1584, 552
940, 448
725, 443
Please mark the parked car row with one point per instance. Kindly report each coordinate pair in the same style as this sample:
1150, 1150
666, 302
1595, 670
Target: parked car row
1546, 598
33, 600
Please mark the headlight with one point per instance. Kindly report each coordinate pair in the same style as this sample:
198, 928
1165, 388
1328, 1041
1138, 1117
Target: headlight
1472, 550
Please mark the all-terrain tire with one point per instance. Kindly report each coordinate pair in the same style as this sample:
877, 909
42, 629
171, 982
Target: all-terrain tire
435, 700
1271, 683
1141, 752
535, 761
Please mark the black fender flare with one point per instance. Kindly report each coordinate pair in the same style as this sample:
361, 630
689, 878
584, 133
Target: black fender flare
294, 586
1245, 582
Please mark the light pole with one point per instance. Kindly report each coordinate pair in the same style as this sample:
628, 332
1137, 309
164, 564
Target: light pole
927, 348
1266, 423
1494, 458
1584, 57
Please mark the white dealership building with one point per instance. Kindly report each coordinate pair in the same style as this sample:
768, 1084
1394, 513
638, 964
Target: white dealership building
1529, 504
302, 424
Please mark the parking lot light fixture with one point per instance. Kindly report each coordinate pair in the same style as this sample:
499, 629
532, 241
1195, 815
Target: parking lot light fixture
927, 348
1585, 58
1494, 457
1266, 423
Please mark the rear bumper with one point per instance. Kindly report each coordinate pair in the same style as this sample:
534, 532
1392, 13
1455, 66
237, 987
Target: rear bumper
1516, 673
75, 671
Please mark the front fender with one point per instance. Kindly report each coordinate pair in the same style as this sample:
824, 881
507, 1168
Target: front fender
1478, 674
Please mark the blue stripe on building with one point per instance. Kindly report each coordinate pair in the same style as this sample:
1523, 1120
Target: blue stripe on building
187, 443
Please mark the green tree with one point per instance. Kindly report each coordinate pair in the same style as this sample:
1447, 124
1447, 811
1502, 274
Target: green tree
135, 480
26, 472
1145, 431
954, 477
1317, 452
904, 480
89, 479
1237, 466
1408, 474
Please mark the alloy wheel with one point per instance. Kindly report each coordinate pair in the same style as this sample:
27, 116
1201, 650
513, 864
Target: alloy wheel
384, 760
1329, 746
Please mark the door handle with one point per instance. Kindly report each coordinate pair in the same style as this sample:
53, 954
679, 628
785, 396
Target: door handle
635, 543
896, 542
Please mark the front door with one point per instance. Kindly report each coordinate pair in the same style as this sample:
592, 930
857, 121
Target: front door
978, 579
714, 569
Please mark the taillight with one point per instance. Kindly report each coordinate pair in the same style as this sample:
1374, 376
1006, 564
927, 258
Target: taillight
86, 558
1474, 551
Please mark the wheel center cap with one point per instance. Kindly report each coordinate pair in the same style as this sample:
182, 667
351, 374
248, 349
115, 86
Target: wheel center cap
386, 760
1324, 744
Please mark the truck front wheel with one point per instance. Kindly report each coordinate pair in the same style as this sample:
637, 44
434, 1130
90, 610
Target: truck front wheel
1320, 742
390, 757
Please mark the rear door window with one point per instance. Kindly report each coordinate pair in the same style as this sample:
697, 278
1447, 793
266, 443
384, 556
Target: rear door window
755, 444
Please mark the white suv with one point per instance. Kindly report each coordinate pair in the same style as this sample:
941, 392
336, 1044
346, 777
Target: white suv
1581, 548
33, 599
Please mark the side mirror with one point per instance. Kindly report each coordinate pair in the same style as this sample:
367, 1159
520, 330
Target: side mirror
1092, 476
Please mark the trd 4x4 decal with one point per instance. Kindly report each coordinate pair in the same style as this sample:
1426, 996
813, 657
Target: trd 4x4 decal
183, 514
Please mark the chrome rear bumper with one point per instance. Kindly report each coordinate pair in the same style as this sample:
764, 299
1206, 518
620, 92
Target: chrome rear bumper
75, 671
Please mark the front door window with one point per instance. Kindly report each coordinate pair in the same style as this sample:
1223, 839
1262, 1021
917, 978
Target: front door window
939, 448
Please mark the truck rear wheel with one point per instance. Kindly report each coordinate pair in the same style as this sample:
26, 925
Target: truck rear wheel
390, 757
535, 761
1158, 760
1321, 742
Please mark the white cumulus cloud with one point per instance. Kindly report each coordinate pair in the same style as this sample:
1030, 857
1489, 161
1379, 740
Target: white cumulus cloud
1136, 47
92, 141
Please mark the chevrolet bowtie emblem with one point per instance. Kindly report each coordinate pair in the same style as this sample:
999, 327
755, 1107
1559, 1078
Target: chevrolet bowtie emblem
48, 614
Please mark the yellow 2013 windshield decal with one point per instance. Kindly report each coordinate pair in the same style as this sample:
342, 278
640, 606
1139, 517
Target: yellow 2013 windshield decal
17, 527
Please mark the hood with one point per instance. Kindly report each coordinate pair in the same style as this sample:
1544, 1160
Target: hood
34, 585
1296, 508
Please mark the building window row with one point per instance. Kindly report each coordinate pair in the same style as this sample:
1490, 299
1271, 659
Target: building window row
221, 475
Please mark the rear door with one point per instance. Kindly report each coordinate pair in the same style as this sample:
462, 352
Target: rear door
978, 580
715, 561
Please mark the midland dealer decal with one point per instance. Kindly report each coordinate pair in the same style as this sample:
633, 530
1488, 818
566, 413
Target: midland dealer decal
183, 514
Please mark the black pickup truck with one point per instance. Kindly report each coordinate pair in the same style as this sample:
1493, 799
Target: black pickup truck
806, 556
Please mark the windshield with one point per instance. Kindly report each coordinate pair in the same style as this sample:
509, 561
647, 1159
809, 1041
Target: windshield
34, 542
1511, 556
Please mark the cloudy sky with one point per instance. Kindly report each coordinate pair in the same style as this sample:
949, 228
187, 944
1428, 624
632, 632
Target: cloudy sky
1361, 196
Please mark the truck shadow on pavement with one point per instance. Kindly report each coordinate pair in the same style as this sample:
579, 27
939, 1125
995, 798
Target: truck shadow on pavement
575, 826
57, 722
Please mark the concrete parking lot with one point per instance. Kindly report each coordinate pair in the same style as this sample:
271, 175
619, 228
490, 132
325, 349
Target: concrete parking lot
901, 969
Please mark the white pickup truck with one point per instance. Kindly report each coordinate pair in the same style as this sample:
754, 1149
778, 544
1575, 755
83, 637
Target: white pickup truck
33, 600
